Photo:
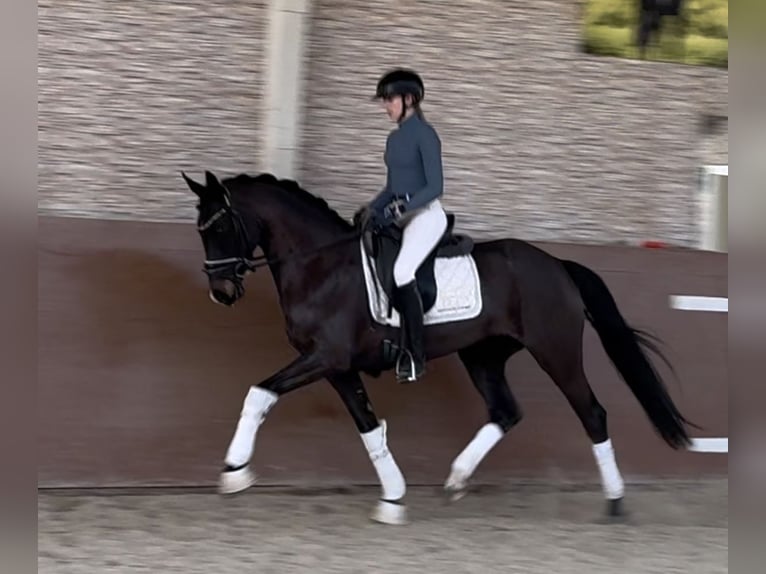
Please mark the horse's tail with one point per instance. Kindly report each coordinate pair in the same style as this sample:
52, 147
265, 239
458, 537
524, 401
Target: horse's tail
623, 345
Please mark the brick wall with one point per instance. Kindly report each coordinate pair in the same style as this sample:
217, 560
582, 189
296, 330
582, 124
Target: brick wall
540, 140
132, 92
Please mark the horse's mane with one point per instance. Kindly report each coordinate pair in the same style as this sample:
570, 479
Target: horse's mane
296, 190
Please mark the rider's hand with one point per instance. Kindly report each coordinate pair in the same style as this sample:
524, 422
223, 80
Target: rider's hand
361, 216
395, 210
376, 219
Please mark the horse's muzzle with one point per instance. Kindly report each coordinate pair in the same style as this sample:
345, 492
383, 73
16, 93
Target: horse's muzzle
226, 291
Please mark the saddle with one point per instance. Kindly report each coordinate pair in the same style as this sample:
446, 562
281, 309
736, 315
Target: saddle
383, 246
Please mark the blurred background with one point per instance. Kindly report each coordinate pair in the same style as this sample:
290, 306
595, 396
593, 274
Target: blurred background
557, 127
685, 31
542, 139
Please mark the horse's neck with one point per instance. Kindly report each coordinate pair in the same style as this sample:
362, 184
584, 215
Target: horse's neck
295, 234
290, 230
306, 249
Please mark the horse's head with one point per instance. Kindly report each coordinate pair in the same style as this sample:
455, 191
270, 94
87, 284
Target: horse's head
225, 239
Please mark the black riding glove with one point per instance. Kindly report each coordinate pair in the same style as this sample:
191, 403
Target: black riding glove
395, 210
377, 219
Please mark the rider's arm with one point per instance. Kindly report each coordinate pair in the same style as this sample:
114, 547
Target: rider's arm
384, 197
431, 154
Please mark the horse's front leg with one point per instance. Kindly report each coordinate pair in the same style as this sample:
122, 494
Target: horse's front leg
236, 475
389, 509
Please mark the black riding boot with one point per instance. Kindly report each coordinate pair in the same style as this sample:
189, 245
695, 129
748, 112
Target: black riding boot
411, 364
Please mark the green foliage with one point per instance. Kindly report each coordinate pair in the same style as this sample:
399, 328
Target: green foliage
709, 18
707, 51
609, 41
611, 13
610, 30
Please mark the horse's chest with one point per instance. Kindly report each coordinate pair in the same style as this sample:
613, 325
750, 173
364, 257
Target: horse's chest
300, 329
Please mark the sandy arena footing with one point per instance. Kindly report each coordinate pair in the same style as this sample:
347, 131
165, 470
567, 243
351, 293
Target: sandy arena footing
532, 529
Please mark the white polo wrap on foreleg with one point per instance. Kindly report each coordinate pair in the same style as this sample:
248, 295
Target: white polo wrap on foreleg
485, 439
257, 403
391, 478
611, 479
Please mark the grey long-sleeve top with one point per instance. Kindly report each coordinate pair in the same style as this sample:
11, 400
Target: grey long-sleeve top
414, 165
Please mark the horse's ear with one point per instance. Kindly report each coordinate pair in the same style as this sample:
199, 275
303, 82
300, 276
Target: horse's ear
211, 180
197, 188
216, 187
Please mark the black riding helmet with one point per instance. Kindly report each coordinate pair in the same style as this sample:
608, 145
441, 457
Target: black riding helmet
401, 82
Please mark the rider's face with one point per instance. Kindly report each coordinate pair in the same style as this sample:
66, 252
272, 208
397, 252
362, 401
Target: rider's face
393, 106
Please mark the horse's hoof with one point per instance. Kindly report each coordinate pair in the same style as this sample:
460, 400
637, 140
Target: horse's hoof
456, 487
455, 494
614, 507
236, 480
387, 512
615, 510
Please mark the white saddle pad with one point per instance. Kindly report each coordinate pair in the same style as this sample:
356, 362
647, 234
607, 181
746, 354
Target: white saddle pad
458, 295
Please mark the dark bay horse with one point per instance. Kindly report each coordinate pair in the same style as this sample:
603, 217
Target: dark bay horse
530, 300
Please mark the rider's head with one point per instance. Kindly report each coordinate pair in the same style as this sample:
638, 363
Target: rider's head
401, 92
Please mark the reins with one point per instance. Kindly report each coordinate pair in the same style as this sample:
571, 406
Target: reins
263, 261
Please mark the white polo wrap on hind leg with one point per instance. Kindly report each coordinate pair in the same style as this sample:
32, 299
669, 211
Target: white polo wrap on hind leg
485, 439
257, 403
391, 478
611, 479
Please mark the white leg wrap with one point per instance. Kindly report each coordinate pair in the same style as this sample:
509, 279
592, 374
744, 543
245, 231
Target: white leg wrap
466, 462
391, 478
257, 403
611, 479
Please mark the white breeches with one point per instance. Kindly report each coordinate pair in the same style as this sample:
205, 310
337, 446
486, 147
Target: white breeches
422, 231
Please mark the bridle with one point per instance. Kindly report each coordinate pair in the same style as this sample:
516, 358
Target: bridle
235, 268
230, 267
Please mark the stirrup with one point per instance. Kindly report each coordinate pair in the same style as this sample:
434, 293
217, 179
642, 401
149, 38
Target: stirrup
402, 376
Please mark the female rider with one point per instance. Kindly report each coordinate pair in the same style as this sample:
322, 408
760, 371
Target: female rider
410, 199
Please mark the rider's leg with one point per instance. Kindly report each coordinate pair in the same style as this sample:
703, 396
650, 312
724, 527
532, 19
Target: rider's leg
422, 232
411, 363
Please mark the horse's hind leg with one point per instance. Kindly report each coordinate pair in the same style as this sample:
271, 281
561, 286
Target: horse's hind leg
389, 509
485, 362
561, 357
